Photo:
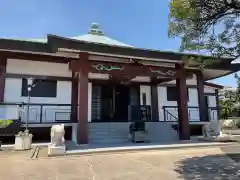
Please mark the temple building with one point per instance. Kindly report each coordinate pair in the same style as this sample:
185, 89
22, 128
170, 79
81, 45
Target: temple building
96, 86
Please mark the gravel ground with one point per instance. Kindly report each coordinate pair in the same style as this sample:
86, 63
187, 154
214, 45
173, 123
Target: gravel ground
201, 164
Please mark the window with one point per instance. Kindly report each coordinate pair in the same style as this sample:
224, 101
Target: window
42, 88
172, 94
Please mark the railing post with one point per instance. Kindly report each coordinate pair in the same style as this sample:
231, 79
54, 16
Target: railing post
164, 113
41, 109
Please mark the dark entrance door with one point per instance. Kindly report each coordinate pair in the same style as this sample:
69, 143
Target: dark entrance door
121, 103
115, 101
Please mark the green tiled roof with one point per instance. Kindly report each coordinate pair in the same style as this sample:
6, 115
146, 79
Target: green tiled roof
95, 35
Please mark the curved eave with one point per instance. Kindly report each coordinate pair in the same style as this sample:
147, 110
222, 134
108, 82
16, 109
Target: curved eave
220, 71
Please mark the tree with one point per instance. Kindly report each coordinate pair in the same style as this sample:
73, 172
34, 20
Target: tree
229, 102
209, 26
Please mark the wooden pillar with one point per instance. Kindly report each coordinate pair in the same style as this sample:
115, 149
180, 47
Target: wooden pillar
217, 103
154, 103
184, 128
74, 97
3, 64
82, 108
203, 111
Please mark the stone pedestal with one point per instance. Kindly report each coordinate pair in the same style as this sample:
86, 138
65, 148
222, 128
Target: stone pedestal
23, 142
140, 136
57, 146
56, 150
74, 132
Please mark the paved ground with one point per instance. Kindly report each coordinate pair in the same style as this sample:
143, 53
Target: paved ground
201, 164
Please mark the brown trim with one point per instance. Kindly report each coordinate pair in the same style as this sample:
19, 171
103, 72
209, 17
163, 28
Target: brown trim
174, 85
58, 78
74, 98
203, 112
65, 42
83, 100
184, 128
194, 86
217, 103
54, 42
154, 103
213, 85
53, 57
126, 70
35, 56
210, 94
3, 64
108, 81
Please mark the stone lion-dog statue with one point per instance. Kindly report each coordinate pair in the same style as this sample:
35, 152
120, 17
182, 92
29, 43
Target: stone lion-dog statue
57, 135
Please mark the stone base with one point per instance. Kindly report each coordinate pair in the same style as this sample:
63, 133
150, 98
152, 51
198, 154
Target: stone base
222, 138
56, 150
23, 142
140, 136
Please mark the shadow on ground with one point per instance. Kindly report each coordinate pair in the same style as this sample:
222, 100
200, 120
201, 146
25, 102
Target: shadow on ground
214, 167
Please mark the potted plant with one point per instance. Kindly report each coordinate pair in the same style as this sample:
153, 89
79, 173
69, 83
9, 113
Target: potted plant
9, 127
23, 140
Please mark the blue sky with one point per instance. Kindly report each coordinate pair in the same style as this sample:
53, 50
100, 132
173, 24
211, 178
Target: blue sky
139, 23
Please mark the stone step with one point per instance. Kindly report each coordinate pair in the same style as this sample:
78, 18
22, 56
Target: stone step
108, 133
119, 132
109, 141
107, 137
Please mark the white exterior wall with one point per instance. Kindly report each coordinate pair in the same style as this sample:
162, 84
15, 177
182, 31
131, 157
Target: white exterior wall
193, 101
13, 92
37, 68
13, 88
162, 101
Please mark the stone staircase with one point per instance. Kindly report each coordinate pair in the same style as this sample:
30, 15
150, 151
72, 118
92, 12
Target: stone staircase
108, 133
117, 133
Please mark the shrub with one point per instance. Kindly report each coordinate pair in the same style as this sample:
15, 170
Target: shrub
5, 122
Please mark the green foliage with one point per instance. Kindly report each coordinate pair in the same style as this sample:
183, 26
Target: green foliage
230, 104
194, 21
197, 62
5, 122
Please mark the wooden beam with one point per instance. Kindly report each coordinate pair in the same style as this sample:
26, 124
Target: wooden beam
3, 64
154, 103
35, 56
74, 98
58, 78
128, 69
184, 128
203, 111
83, 100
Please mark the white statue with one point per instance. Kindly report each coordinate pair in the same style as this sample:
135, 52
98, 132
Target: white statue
213, 128
57, 135
228, 123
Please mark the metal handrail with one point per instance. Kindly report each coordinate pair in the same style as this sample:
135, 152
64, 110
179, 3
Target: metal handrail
190, 112
40, 111
171, 115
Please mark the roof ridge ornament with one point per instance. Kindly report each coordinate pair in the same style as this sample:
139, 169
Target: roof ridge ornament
94, 30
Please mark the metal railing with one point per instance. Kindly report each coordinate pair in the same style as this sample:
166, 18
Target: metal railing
39, 113
170, 113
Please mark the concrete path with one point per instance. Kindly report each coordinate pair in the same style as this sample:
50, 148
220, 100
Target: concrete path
202, 164
127, 147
